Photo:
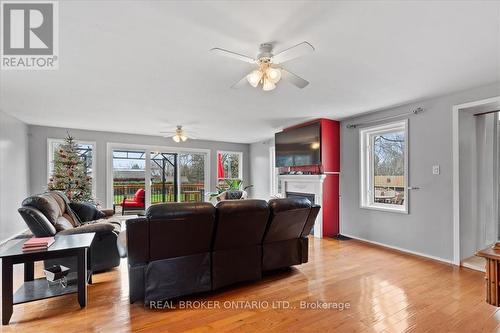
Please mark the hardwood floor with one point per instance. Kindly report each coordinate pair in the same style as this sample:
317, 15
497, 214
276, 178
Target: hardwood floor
387, 291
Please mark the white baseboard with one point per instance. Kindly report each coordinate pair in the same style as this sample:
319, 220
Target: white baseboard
400, 249
2, 242
474, 267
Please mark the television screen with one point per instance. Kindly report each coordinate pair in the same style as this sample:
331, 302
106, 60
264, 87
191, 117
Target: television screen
298, 146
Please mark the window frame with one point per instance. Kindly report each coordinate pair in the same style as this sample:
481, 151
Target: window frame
273, 172
240, 164
50, 158
366, 170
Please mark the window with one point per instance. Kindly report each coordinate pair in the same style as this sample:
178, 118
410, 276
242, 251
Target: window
229, 165
86, 151
192, 176
384, 167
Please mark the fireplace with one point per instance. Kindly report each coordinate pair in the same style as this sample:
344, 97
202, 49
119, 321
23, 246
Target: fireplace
308, 196
306, 186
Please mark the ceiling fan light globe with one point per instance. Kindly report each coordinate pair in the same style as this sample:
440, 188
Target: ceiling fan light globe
254, 78
273, 74
176, 138
268, 85
183, 138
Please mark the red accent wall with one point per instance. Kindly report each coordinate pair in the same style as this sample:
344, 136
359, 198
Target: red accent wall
330, 145
330, 206
330, 165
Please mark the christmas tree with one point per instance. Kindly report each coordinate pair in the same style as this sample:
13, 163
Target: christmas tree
70, 174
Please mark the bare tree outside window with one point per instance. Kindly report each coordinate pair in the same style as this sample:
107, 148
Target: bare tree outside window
192, 176
389, 168
231, 165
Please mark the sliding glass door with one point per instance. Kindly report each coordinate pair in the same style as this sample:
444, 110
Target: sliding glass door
143, 176
192, 176
164, 182
129, 179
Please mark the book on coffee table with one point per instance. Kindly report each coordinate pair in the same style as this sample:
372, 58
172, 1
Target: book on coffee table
38, 243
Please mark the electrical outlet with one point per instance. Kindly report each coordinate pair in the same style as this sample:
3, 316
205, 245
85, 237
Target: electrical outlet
435, 170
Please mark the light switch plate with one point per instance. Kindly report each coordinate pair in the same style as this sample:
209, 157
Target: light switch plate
435, 170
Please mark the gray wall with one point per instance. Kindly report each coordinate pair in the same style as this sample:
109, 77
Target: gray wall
428, 228
38, 153
260, 172
14, 174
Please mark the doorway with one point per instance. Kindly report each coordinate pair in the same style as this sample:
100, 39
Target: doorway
476, 187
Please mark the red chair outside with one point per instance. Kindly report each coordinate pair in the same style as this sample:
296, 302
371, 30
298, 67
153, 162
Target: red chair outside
136, 203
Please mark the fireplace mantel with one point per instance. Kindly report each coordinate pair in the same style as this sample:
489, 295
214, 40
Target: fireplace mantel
307, 184
308, 178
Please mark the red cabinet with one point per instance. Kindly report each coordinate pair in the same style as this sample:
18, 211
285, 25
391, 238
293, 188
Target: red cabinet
330, 166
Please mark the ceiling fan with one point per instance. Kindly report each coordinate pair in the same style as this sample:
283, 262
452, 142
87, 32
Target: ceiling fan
178, 135
270, 71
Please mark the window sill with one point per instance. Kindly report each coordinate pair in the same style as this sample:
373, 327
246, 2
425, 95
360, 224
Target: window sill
390, 209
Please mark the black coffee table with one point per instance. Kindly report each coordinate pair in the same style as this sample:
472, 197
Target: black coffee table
35, 289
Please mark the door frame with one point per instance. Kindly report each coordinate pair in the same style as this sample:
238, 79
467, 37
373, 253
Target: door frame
110, 146
456, 171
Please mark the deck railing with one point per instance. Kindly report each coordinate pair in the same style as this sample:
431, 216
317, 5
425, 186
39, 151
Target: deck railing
188, 192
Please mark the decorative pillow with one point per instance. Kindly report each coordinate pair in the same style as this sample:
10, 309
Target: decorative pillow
86, 211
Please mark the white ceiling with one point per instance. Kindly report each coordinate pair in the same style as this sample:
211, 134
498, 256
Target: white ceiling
144, 66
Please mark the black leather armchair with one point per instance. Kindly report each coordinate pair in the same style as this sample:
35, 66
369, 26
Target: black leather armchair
50, 214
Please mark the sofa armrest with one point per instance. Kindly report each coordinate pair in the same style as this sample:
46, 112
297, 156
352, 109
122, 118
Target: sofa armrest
311, 219
98, 228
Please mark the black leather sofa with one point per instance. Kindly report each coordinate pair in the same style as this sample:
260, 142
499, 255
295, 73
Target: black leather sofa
179, 249
52, 214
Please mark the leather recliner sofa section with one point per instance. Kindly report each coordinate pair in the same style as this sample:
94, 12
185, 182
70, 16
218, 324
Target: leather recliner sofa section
52, 214
282, 246
179, 249
237, 249
169, 251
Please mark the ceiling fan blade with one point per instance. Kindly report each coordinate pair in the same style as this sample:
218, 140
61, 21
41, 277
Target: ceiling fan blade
240, 83
293, 79
233, 55
292, 53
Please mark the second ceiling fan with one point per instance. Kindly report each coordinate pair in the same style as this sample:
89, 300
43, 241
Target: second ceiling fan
270, 70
